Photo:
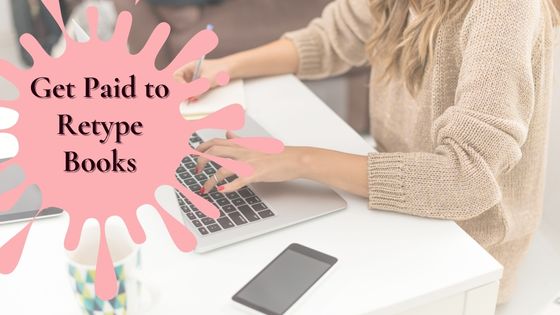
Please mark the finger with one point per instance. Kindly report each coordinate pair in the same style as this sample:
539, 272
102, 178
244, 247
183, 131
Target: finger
219, 151
235, 185
201, 161
231, 135
208, 144
179, 76
261, 144
200, 203
212, 182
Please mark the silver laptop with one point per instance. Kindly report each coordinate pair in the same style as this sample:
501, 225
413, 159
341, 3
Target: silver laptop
253, 210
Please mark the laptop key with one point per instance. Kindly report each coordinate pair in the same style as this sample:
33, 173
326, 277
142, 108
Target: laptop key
237, 218
214, 228
184, 176
252, 200
223, 202
230, 179
225, 222
266, 214
232, 195
259, 207
197, 223
249, 213
210, 171
201, 177
246, 192
191, 216
238, 202
181, 169
203, 230
189, 164
195, 188
208, 221
216, 195
190, 181
229, 208
185, 208
200, 214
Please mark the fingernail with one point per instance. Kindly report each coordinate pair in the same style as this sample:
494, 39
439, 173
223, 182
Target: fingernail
202, 190
220, 188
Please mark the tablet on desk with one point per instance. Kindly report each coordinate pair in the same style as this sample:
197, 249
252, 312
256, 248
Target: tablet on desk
283, 282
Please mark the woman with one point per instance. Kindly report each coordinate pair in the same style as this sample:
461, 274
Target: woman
460, 94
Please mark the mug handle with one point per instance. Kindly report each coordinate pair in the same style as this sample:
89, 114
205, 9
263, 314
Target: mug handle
143, 283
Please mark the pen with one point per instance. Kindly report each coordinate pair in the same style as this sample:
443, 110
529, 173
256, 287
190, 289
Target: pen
198, 67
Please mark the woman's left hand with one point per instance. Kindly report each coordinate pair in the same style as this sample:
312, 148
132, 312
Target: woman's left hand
267, 167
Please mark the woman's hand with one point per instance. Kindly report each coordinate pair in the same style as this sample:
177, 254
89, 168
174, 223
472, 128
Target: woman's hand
344, 171
278, 57
267, 167
209, 70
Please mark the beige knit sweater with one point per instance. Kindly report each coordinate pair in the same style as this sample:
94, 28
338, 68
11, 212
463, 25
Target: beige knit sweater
471, 145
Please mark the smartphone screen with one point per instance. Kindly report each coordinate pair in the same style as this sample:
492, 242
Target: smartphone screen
285, 280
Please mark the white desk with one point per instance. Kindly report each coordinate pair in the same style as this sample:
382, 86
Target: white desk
388, 263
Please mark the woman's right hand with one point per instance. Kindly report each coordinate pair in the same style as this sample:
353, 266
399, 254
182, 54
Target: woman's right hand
209, 70
279, 57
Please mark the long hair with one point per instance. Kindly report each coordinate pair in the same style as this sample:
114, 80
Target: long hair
401, 47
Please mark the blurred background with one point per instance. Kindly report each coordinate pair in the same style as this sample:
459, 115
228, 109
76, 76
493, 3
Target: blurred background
243, 24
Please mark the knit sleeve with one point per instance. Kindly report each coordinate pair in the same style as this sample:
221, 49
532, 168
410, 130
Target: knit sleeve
335, 42
479, 137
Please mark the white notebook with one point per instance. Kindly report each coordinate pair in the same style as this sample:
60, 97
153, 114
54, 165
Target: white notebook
214, 100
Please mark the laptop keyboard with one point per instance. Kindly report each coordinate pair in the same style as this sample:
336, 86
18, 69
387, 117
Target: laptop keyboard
236, 208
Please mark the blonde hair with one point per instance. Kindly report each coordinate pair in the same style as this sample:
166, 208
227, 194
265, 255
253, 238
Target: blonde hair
402, 48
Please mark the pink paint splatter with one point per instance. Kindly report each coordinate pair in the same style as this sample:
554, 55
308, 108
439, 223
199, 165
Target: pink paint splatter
222, 78
157, 151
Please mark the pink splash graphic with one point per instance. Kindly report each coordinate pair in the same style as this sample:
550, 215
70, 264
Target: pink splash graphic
157, 151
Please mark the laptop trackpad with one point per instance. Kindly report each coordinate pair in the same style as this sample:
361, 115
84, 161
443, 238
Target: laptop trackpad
300, 195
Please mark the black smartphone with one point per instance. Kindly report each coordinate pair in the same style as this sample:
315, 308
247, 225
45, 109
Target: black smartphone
282, 283
19, 216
